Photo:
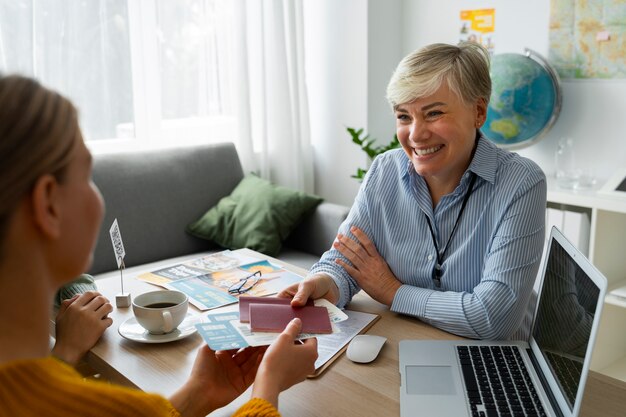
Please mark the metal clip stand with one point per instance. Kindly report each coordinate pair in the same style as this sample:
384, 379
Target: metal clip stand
122, 300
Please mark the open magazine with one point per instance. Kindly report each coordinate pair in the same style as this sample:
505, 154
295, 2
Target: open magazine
206, 280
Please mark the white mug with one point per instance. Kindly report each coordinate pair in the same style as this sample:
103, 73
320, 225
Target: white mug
161, 311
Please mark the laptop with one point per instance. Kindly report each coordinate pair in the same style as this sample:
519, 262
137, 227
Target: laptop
542, 377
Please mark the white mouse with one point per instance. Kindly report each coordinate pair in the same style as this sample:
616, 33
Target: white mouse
364, 348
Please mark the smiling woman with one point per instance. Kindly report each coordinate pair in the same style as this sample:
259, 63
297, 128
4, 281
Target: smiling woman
449, 229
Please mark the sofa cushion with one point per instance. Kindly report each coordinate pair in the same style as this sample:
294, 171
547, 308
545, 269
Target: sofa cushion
256, 215
155, 194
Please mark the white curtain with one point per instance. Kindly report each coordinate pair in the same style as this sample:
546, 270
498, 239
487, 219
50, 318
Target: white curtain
151, 73
273, 113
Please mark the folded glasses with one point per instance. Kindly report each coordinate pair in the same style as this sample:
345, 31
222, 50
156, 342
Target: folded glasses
245, 284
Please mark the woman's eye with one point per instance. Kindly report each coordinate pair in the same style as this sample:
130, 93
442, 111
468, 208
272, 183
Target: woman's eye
402, 117
434, 113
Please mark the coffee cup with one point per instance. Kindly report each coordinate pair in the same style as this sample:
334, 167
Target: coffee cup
160, 312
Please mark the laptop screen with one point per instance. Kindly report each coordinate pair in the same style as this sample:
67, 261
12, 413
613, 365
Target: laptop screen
565, 315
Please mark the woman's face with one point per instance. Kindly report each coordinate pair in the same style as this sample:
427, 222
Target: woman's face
438, 133
82, 209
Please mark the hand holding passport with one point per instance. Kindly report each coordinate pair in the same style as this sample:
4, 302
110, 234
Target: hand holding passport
272, 314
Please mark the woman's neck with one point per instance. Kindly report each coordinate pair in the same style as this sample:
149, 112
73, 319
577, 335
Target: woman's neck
25, 309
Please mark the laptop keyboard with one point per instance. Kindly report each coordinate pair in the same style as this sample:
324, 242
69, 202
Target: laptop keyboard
498, 383
568, 372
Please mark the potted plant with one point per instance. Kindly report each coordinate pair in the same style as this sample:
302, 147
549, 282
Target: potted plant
367, 145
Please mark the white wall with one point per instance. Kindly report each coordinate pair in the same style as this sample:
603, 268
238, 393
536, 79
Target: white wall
384, 52
359, 43
593, 110
336, 65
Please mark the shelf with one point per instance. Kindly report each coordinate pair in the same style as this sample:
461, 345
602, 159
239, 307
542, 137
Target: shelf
585, 198
607, 240
614, 299
616, 369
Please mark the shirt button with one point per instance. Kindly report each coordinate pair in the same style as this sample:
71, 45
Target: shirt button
430, 257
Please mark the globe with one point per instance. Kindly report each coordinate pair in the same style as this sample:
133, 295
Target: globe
525, 99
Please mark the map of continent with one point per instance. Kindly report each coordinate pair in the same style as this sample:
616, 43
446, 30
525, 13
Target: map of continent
588, 38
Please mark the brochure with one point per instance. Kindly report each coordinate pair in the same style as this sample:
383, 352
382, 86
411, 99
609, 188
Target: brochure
207, 280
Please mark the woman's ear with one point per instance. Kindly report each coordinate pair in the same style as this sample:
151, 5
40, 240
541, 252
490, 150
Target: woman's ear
481, 112
46, 206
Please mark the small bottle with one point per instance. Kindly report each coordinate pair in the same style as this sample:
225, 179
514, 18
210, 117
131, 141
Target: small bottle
567, 172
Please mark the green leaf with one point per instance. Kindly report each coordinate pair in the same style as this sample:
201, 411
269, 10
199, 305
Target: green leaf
367, 145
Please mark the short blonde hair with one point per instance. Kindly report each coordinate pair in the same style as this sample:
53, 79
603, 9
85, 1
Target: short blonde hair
465, 68
38, 129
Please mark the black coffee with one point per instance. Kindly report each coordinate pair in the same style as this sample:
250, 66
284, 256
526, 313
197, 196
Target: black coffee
160, 305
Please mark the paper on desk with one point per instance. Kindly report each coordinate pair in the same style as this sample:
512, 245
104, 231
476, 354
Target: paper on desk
329, 344
207, 288
223, 331
202, 266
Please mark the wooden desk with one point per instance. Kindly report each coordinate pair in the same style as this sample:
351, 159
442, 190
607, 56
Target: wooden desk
345, 389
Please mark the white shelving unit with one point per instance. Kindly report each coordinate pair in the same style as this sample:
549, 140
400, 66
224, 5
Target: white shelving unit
607, 251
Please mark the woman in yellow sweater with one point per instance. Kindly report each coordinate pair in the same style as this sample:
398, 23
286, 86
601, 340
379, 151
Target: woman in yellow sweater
50, 213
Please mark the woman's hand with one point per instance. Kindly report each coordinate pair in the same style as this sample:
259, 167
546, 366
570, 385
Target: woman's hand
80, 322
316, 286
217, 378
285, 364
368, 268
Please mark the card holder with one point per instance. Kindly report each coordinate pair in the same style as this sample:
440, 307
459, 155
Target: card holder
245, 301
275, 317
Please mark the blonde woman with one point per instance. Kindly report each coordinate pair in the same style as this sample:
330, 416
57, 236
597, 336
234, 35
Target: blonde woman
50, 213
449, 229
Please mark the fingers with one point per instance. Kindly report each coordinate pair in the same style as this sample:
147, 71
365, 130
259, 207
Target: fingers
288, 292
293, 329
347, 245
243, 355
305, 290
355, 249
311, 343
94, 301
86, 297
364, 240
105, 309
353, 272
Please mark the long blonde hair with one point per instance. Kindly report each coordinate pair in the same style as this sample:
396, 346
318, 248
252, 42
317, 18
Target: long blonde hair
38, 129
464, 67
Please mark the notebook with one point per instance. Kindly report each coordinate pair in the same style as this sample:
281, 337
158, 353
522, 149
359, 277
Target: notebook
544, 376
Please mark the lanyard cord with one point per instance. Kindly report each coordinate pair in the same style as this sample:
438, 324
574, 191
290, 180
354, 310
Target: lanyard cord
441, 256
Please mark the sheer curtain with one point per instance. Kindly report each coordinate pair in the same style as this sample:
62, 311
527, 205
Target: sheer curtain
273, 113
80, 48
148, 73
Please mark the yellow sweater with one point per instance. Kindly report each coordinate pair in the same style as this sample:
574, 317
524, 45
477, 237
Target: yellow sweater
49, 387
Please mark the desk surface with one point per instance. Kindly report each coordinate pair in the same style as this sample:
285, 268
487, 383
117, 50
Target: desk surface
344, 389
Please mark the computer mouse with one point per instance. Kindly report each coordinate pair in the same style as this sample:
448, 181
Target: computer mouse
364, 348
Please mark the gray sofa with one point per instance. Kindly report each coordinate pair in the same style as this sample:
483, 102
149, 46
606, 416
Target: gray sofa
155, 194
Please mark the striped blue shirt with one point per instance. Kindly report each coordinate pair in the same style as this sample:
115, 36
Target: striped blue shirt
492, 260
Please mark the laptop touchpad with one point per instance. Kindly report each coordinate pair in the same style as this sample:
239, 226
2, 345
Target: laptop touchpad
429, 380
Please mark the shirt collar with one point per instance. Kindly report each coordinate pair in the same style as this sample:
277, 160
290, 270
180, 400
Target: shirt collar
485, 160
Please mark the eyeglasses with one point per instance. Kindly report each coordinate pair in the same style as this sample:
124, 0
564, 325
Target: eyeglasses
245, 284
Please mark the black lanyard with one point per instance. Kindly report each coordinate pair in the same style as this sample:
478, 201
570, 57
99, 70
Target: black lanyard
440, 256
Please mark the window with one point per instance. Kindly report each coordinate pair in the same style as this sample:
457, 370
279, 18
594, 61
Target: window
141, 72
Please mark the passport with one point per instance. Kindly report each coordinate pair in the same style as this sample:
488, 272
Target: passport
275, 317
246, 300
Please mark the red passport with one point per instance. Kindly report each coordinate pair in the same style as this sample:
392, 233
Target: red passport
245, 301
275, 317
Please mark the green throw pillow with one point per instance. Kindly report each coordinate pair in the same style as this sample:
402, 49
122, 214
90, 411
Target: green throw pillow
257, 215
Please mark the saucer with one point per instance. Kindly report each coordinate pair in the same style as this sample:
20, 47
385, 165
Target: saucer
132, 330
